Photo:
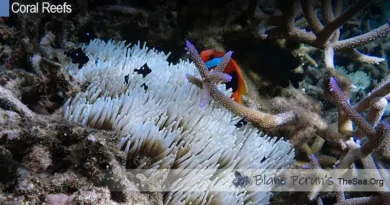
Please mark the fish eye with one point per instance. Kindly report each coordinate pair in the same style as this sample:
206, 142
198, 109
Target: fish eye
211, 57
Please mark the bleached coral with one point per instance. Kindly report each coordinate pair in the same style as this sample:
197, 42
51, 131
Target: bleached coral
200, 147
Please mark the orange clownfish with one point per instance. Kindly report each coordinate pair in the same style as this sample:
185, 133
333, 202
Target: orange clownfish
212, 58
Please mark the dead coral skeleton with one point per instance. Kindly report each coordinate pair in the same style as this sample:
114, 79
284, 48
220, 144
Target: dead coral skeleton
324, 33
10, 102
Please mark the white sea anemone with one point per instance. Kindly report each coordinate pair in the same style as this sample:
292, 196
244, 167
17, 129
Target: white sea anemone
200, 148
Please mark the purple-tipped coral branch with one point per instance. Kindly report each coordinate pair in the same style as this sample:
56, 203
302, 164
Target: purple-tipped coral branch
209, 89
377, 137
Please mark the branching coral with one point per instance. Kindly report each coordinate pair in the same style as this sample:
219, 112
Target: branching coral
209, 89
165, 128
324, 33
368, 143
377, 138
373, 200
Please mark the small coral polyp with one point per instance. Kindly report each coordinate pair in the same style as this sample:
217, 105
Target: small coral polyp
166, 123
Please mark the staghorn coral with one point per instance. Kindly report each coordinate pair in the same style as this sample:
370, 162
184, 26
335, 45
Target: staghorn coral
373, 200
323, 33
166, 129
367, 153
209, 89
377, 134
368, 146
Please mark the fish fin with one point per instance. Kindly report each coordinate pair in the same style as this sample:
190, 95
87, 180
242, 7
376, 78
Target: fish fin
241, 90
